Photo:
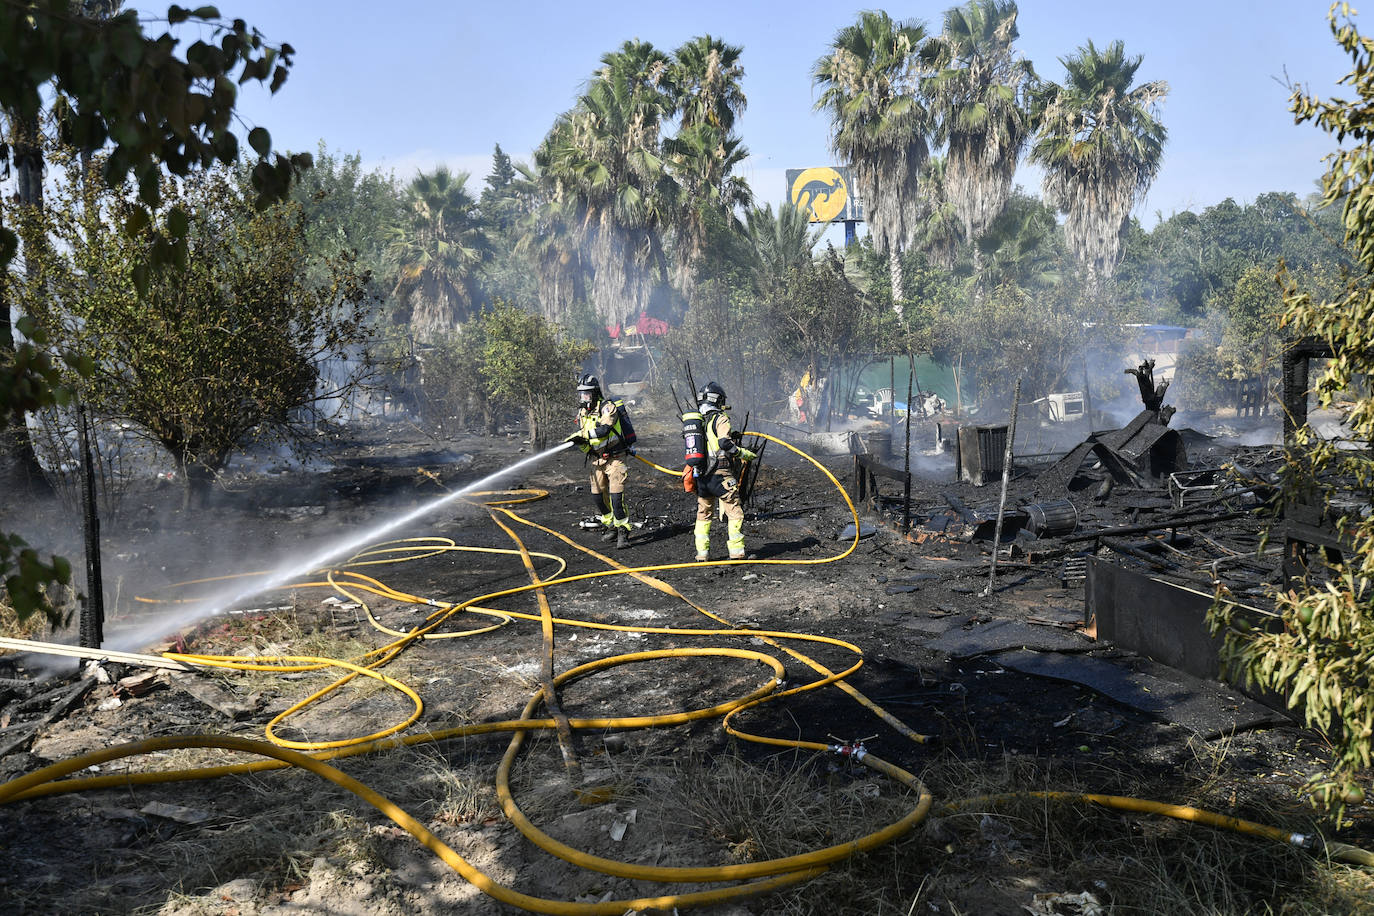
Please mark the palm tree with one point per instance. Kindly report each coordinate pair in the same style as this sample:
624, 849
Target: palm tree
779, 243
439, 251
878, 123
980, 98
1022, 247
706, 78
937, 229
603, 160
1100, 143
701, 159
548, 231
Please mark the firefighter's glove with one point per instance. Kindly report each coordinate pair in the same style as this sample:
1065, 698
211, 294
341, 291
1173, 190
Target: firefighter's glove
578, 440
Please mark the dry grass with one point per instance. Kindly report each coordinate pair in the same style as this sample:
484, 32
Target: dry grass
35, 626
11, 627
785, 806
995, 858
435, 787
273, 826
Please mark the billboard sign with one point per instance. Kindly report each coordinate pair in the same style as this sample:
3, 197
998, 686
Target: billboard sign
825, 194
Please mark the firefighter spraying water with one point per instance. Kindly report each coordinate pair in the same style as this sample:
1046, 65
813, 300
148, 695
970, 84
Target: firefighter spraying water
606, 436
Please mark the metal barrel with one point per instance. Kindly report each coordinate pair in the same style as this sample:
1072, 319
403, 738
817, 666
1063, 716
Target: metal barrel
1053, 518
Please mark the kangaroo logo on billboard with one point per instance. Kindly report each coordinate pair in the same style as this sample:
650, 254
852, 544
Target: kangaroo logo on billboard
824, 194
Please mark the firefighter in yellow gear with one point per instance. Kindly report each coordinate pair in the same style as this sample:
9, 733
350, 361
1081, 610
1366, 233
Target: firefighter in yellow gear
718, 483
604, 433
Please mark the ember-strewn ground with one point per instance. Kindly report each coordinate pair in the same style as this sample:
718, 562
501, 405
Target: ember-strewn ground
893, 596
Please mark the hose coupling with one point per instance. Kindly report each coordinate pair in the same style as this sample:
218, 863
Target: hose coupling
852, 749
1303, 840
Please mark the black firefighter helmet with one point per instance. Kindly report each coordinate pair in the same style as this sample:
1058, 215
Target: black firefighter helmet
712, 396
589, 389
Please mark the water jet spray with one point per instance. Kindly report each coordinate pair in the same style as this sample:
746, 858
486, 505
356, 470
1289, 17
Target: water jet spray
150, 632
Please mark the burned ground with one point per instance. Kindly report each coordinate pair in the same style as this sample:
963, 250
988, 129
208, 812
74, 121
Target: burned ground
1011, 683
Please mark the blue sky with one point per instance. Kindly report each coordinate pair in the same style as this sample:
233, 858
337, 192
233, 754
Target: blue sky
412, 83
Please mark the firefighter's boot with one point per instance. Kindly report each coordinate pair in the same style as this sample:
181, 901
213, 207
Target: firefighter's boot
603, 512
703, 536
735, 529
619, 523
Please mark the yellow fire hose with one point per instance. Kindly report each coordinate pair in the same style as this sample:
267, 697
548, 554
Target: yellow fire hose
404, 820
347, 581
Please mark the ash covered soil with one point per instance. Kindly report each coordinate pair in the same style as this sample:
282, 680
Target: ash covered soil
271, 842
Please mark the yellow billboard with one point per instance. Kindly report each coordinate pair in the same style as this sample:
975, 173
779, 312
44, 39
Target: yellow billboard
824, 193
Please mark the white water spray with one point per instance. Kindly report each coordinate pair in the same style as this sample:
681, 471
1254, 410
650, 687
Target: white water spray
147, 633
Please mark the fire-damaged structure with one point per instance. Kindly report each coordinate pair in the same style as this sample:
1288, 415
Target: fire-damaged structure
1151, 540
1307, 520
1139, 454
1148, 524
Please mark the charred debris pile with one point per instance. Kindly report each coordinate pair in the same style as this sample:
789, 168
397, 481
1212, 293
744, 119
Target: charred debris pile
1173, 505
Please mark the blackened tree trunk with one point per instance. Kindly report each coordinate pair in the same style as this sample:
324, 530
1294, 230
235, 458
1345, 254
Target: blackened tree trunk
23, 471
197, 479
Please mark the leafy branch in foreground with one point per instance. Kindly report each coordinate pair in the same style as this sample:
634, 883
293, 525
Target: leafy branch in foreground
113, 86
1321, 659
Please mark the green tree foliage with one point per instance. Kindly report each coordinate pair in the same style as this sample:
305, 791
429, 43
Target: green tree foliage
1203, 376
1164, 269
1214, 271
608, 181
778, 244
980, 94
821, 324
1252, 336
447, 379
1101, 143
346, 210
502, 206
502, 171
624, 203
1022, 314
520, 235
1239, 340
29, 382
1320, 660
548, 234
870, 88
702, 155
438, 249
937, 232
934, 292
120, 87
528, 363
1227, 241
723, 336
1022, 246
1181, 266
117, 86
1011, 332
209, 354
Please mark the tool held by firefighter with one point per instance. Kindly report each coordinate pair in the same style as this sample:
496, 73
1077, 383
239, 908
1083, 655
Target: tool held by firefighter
606, 436
714, 463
